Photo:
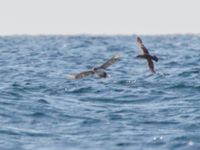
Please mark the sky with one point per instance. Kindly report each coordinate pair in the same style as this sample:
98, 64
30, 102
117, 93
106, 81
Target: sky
99, 17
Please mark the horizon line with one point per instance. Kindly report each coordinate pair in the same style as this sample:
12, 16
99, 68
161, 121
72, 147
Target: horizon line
98, 34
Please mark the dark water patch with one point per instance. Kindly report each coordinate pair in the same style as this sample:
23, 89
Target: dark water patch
43, 101
38, 115
125, 144
11, 95
23, 132
80, 90
90, 122
161, 123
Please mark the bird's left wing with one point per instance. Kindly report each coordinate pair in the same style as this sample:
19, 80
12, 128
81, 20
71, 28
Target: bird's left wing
81, 75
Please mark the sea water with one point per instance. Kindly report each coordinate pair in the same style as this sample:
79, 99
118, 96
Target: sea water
42, 109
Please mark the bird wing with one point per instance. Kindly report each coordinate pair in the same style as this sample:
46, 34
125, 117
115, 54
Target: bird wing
151, 65
141, 46
81, 75
109, 62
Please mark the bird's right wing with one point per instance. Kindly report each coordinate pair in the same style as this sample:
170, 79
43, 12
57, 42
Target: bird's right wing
109, 62
141, 46
81, 75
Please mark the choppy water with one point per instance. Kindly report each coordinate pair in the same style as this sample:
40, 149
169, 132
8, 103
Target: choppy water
41, 109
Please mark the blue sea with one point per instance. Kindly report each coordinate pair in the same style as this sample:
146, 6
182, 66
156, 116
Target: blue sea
132, 109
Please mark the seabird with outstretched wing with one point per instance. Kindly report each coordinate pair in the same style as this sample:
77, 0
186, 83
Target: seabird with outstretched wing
99, 71
145, 54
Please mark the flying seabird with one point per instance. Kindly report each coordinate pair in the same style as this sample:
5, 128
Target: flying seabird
145, 55
99, 71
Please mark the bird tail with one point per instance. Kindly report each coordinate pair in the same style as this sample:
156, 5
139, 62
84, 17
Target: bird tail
155, 58
71, 76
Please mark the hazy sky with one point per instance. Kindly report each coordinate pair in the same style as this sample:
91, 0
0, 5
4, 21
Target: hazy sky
99, 16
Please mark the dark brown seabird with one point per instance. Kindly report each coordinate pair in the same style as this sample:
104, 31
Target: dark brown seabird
145, 55
99, 71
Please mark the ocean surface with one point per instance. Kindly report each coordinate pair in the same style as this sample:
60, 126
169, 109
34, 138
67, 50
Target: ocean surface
42, 109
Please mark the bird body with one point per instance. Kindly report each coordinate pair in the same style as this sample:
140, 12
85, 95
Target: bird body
101, 73
147, 56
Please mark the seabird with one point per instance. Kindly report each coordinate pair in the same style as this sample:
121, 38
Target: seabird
99, 71
145, 55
